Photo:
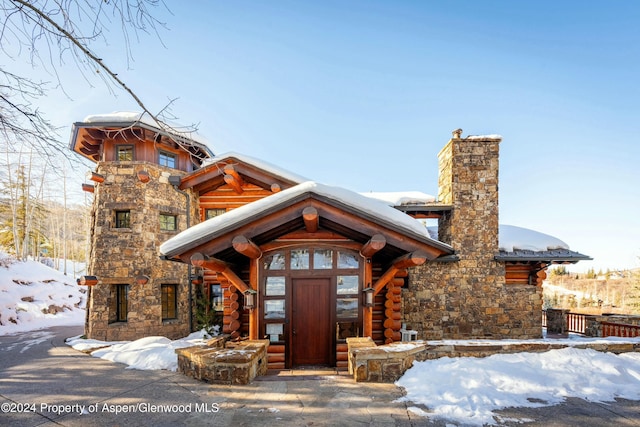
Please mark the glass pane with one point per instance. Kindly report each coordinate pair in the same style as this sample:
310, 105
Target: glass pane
275, 328
347, 285
274, 309
347, 307
348, 260
275, 331
275, 286
322, 258
300, 259
274, 262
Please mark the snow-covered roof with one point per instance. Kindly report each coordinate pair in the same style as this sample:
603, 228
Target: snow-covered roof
260, 164
131, 117
513, 238
401, 198
523, 244
518, 244
213, 227
493, 136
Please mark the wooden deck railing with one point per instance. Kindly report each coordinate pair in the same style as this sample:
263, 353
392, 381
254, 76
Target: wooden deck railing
576, 323
619, 330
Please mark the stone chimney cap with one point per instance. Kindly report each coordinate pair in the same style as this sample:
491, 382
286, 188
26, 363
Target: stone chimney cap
457, 133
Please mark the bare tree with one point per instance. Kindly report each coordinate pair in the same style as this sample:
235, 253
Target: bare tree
50, 33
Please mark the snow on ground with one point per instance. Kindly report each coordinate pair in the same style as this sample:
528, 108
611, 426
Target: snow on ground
461, 390
34, 296
469, 390
147, 353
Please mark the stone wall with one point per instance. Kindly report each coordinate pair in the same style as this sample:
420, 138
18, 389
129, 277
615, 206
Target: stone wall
225, 363
469, 298
119, 255
387, 363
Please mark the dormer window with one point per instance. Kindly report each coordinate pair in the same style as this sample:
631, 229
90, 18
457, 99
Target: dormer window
167, 159
124, 153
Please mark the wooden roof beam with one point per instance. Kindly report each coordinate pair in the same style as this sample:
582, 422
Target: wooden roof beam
311, 219
376, 243
412, 259
234, 183
221, 267
246, 247
96, 134
230, 170
233, 178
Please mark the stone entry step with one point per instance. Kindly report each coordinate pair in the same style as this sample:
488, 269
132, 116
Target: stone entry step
302, 374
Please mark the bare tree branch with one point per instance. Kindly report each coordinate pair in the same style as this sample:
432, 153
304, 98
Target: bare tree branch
50, 31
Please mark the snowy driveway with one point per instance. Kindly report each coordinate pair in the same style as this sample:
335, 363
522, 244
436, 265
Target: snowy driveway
45, 382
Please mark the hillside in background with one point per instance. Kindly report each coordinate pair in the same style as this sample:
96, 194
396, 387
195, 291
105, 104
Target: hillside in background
593, 293
35, 296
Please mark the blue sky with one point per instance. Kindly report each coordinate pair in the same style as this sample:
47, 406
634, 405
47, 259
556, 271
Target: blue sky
363, 94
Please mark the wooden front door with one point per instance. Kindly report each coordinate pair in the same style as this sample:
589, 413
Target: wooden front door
311, 320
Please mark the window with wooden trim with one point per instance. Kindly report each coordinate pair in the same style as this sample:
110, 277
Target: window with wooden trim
119, 306
168, 222
217, 301
211, 213
123, 219
167, 159
124, 153
169, 301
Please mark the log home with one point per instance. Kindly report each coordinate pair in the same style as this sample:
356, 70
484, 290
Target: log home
300, 263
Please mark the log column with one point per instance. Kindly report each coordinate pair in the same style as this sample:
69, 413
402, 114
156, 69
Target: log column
393, 311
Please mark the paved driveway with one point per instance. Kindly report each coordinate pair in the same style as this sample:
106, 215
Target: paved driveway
43, 382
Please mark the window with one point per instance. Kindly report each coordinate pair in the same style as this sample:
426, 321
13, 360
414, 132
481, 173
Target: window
123, 219
124, 153
119, 303
216, 297
167, 159
211, 213
169, 302
168, 222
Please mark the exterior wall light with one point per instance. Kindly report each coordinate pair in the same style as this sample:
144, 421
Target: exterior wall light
368, 296
142, 280
250, 299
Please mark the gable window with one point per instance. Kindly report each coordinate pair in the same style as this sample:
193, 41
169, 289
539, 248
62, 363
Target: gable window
167, 159
124, 153
123, 219
119, 303
168, 222
169, 302
211, 213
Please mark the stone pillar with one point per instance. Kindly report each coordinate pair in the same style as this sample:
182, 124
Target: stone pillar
468, 181
557, 323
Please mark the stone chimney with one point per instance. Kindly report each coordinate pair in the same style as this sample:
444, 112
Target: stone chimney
468, 181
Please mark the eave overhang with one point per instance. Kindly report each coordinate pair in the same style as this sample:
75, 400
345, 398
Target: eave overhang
89, 145
557, 256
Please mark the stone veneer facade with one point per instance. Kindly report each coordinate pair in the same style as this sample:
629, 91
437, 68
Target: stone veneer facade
119, 255
468, 298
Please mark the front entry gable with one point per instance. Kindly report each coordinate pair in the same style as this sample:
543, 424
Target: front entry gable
310, 207
237, 171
